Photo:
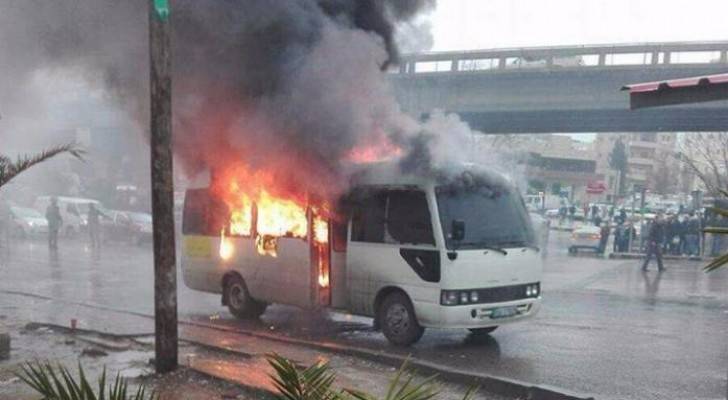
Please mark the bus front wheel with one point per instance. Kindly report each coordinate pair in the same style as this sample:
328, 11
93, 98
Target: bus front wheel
238, 300
398, 321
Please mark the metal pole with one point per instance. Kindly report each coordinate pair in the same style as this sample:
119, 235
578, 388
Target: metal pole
165, 273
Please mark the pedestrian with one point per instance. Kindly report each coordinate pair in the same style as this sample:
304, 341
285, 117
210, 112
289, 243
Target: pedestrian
93, 223
5, 220
654, 240
603, 238
674, 235
692, 235
595, 213
618, 230
597, 220
622, 217
718, 221
53, 215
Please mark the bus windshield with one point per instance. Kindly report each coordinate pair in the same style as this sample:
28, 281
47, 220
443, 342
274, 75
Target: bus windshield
494, 217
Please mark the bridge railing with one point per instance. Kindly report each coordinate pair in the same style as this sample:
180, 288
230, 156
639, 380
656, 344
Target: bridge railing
566, 57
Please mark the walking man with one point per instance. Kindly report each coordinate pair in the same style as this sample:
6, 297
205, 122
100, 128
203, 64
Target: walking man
53, 215
654, 243
94, 229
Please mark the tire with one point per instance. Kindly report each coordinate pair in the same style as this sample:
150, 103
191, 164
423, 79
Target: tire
482, 331
398, 321
572, 250
238, 300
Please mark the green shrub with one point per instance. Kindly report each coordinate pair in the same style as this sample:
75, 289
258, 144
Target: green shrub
57, 383
316, 383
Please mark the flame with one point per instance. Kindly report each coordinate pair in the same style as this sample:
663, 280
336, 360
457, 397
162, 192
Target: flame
280, 217
226, 247
320, 230
380, 149
323, 280
256, 210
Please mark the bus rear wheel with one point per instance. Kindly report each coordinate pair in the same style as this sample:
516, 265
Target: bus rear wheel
238, 299
397, 319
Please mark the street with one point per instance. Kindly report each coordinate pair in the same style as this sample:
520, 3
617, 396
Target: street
606, 329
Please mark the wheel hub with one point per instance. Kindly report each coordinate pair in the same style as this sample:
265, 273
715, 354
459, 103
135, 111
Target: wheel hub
397, 319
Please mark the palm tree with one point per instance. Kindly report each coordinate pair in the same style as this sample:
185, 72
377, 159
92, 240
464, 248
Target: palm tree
9, 169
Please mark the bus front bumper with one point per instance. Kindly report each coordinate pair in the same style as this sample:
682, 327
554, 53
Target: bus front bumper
473, 316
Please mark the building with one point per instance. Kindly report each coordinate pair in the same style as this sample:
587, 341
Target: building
560, 165
652, 161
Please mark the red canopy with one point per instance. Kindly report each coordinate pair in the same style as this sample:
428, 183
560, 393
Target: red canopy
678, 91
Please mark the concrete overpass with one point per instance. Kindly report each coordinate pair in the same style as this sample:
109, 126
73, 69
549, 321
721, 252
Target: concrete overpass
561, 89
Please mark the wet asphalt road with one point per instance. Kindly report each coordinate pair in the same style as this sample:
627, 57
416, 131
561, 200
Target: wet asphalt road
605, 328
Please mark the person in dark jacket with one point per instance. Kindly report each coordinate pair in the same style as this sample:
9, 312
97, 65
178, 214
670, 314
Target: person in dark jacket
654, 240
603, 238
692, 235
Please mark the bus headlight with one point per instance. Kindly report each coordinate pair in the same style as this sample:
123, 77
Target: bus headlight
474, 297
449, 298
464, 298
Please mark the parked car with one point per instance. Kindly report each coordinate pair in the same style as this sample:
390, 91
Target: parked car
585, 237
133, 227
27, 222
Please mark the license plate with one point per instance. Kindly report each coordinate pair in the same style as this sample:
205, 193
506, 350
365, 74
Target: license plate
504, 312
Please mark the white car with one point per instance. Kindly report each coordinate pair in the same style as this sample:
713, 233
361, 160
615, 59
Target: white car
585, 237
28, 222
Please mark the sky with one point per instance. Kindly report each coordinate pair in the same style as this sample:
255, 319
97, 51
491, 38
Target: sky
482, 24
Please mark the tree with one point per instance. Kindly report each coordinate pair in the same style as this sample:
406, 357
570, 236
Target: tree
618, 162
9, 169
706, 156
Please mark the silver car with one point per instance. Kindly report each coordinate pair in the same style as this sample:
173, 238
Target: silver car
585, 237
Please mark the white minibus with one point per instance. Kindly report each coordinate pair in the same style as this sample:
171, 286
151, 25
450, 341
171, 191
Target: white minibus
411, 252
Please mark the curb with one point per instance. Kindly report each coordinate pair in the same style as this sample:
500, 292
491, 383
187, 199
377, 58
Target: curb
493, 384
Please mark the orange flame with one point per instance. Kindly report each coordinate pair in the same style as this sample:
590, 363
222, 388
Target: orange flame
226, 247
382, 149
320, 230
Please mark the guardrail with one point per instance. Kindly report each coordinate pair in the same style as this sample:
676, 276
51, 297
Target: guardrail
653, 54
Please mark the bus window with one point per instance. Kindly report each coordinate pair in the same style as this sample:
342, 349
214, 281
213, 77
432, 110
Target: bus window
408, 218
338, 235
194, 216
367, 223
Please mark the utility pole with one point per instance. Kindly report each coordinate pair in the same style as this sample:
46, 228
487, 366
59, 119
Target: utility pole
165, 271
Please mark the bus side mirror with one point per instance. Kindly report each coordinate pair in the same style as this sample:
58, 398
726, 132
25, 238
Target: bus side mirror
457, 230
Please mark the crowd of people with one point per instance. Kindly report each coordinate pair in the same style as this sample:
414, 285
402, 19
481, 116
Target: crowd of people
677, 234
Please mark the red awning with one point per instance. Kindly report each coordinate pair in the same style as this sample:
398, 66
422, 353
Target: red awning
678, 91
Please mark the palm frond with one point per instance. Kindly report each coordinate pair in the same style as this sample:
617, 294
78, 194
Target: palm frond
57, 383
313, 383
717, 263
10, 169
720, 211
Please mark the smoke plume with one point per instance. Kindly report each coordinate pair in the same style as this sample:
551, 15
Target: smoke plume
292, 87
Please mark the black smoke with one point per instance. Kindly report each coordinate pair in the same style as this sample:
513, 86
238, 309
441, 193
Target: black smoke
264, 80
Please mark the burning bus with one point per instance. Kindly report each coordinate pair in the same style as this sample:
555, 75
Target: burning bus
413, 252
